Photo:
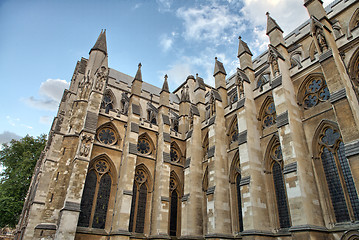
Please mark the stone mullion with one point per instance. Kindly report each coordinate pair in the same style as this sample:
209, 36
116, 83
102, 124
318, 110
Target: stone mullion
192, 223
218, 210
122, 208
295, 153
256, 216
160, 202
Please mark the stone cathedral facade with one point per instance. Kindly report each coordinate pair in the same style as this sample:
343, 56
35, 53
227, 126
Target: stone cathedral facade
271, 152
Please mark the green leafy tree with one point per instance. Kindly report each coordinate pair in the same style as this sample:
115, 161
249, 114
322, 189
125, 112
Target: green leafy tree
18, 159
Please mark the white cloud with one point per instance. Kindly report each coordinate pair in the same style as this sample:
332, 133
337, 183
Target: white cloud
12, 121
177, 73
46, 120
7, 136
164, 5
166, 41
213, 23
51, 90
137, 5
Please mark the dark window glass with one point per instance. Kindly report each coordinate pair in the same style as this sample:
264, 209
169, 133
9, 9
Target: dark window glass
348, 178
335, 187
87, 199
239, 202
173, 216
280, 192
143, 146
133, 206
103, 196
107, 136
141, 209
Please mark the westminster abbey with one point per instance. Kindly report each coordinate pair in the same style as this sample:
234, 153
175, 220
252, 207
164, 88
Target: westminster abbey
268, 153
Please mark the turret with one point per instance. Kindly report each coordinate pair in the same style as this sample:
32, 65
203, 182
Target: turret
315, 8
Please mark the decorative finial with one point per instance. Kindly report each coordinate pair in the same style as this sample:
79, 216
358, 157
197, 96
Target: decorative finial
215, 58
166, 77
139, 65
267, 13
196, 75
239, 37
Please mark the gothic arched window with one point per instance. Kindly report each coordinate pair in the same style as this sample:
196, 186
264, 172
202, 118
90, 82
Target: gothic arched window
239, 202
233, 133
276, 159
175, 153
268, 113
313, 91
263, 79
338, 175
235, 180
354, 69
139, 200
96, 195
107, 102
174, 205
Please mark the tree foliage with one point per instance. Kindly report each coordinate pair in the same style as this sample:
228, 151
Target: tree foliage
18, 159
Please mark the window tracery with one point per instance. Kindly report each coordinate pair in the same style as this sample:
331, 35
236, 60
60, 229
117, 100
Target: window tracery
338, 175
268, 113
263, 79
144, 145
175, 153
96, 195
174, 205
107, 135
139, 200
233, 134
313, 91
276, 159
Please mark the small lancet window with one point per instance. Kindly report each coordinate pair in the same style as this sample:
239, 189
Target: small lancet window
175, 153
174, 206
107, 102
268, 114
263, 79
233, 135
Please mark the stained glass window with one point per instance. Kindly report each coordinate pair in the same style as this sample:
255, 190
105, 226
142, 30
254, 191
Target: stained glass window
269, 114
174, 155
97, 191
239, 202
338, 175
107, 103
279, 186
315, 91
138, 204
107, 136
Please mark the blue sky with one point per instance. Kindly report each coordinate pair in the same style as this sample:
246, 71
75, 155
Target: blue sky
42, 40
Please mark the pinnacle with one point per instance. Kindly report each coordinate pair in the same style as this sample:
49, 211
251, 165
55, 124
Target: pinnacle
101, 44
139, 73
271, 24
218, 67
243, 48
165, 85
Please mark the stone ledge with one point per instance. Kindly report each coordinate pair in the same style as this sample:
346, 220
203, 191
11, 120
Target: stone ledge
245, 181
46, 226
159, 236
166, 119
135, 128
136, 109
185, 197
242, 137
211, 151
167, 137
190, 237
132, 148
282, 119
240, 103
189, 134
94, 231
336, 96
127, 192
307, 227
351, 148
211, 190
277, 82
219, 236
289, 168
121, 232
211, 121
255, 232
165, 199
187, 163
325, 56
72, 206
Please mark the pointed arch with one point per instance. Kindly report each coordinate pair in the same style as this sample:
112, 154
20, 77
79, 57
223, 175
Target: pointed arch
142, 187
336, 176
96, 193
175, 189
205, 146
313, 91
235, 168
145, 145
205, 180
354, 20
232, 131
267, 112
262, 80
108, 101
175, 153
108, 134
295, 58
274, 165
353, 68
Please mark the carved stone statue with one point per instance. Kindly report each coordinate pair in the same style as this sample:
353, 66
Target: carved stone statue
85, 145
322, 41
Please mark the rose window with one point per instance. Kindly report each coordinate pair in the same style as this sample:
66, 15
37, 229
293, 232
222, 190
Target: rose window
143, 146
107, 136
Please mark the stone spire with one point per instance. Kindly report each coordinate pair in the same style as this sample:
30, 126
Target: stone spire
165, 85
138, 74
218, 68
272, 24
101, 44
243, 48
